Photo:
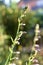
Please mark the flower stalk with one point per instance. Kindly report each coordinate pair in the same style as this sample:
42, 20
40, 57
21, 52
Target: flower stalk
16, 40
32, 56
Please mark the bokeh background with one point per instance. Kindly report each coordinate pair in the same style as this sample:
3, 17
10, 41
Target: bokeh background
10, 11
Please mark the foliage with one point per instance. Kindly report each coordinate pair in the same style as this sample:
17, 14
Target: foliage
9, 23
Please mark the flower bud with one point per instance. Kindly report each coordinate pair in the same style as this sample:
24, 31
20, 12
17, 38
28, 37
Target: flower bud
37, 46
35, 60
37, 26
35, 39
17, 52
12, 64
22, 24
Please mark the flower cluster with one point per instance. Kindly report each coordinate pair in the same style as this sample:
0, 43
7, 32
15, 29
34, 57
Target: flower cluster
35, 48
16, 40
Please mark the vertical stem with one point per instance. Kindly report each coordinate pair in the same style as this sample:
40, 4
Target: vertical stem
10, 55
29, 62
8, 59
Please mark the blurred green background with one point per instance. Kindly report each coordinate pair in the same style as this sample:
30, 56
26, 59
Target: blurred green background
8, 27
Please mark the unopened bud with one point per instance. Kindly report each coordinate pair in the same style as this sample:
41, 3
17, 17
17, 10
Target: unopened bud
22, 24
37, 46
17, 52
12, 64
16, 58
35, 60
37, 26
35, 39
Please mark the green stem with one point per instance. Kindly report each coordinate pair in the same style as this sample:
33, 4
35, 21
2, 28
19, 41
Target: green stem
10, 55
29, 62
8, 59
17, 30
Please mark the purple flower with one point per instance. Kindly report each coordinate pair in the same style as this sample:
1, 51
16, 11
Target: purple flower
35, 60
37, 46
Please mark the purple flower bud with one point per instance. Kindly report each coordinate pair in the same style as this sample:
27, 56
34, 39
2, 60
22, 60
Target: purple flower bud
35, 60
38, 49
37, 46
